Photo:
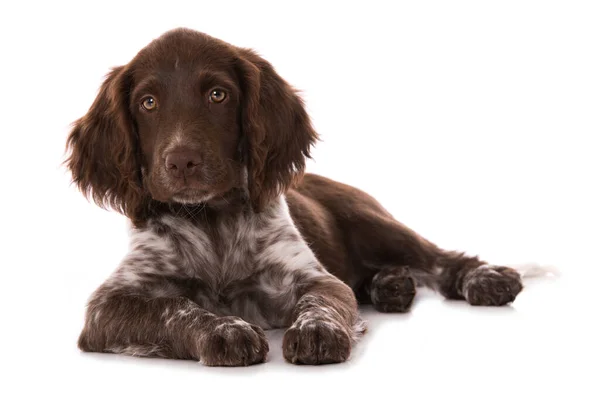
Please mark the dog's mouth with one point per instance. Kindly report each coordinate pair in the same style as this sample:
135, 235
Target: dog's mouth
192, 196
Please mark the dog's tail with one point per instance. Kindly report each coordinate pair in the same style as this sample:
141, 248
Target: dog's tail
534, 270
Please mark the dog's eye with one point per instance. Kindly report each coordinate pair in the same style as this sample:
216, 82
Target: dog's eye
149, 103
217, 95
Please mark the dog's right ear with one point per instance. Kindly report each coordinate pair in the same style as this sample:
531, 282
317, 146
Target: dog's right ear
102, 146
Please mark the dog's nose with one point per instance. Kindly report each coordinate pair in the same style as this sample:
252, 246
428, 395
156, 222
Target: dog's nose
181, 163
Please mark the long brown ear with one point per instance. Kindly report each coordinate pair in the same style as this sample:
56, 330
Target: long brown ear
276, 127
102, 145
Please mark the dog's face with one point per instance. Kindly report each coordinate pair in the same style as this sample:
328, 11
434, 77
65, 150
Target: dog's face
186, 121
185, 104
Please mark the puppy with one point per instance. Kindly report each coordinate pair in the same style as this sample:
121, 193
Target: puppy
202, 145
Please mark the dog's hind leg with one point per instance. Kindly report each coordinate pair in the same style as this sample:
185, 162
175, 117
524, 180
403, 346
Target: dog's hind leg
401, 260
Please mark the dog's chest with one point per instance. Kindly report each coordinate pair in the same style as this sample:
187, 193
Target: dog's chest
235, 247
224, 252
242, 265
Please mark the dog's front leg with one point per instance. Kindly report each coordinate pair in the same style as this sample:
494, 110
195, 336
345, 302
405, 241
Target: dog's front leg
325, 323
119, 322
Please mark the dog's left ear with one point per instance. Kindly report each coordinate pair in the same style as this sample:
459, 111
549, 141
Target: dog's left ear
276, 128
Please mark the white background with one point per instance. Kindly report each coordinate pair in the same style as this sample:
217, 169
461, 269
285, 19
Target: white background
475, 123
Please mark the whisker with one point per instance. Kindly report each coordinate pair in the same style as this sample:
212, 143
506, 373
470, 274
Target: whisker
198, 209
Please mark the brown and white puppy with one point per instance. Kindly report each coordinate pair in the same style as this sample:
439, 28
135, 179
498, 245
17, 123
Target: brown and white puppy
202, 145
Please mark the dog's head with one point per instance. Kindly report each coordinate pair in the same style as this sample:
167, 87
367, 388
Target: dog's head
188, 120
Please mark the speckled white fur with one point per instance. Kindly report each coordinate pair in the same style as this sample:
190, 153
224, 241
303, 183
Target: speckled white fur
265, 250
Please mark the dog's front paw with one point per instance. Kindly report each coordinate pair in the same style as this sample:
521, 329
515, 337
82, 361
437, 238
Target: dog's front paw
233, 342
491, 286
316, 341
